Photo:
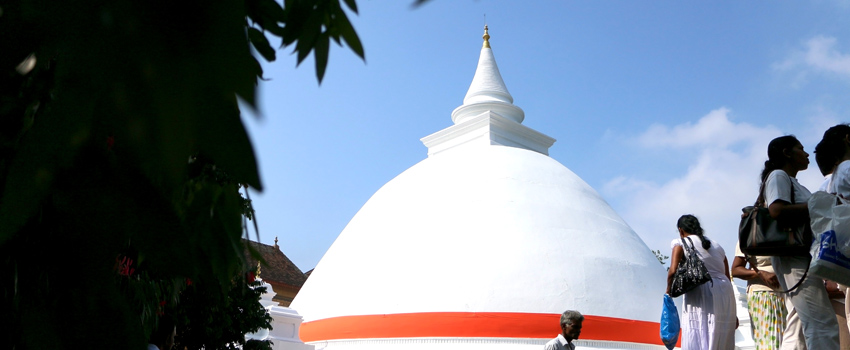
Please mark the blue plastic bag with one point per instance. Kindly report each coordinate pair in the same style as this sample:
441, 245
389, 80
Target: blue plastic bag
670, 327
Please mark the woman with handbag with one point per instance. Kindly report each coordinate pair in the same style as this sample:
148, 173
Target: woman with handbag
809, 309
765, 302
708, 314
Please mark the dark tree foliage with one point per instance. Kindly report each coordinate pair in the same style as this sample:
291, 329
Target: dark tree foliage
114, 117
208, 319
660, 256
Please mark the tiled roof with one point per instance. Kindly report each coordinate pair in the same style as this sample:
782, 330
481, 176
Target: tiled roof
278, 268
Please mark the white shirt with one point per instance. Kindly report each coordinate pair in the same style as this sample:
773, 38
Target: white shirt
559, 343
778, 187
841, 180
712, 258
824, 186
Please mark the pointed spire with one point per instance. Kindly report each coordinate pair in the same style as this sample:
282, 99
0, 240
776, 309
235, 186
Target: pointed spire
488, 90
487, 116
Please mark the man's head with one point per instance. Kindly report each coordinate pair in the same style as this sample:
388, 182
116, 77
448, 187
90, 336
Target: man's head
825, 157
571, 324
832, 148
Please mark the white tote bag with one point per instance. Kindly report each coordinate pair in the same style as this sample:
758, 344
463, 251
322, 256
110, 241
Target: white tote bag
830, 220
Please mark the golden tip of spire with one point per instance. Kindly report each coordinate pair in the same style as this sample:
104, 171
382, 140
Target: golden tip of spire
486, 37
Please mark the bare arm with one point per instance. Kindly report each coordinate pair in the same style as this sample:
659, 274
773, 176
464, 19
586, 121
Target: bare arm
739, 270
782, 210
676, 256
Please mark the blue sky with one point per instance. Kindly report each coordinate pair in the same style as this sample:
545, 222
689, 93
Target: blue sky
664, 107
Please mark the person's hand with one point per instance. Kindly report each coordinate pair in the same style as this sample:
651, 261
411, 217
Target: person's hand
832, 290
769, 279
668, 291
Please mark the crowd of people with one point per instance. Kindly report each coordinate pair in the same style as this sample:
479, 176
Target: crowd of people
806, 317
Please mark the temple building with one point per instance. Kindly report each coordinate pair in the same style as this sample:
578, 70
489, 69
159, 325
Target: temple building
483, 244
279, 272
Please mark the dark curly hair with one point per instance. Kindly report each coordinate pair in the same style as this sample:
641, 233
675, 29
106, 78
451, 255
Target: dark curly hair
832, 147
776, 158
690, 224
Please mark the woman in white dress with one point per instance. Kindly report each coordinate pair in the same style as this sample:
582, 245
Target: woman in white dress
708, 316
811, 319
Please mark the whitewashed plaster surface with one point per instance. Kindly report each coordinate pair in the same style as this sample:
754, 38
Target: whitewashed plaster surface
486, 229
487, 223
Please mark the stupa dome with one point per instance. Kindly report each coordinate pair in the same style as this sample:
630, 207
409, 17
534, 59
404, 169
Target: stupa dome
483, 244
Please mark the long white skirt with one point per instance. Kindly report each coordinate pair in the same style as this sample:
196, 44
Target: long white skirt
708, 317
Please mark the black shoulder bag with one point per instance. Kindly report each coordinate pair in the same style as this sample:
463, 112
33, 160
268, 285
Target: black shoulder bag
690, 273
760, 235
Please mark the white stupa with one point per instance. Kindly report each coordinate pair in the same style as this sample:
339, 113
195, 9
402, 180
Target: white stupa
483, 245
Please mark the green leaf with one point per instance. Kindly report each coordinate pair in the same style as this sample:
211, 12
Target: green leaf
267, 13
418, 3
49, 146
352, 5
311, 31
258, 69
236, 156
275, 29
321, 55
272, 10
349, 34
258, 39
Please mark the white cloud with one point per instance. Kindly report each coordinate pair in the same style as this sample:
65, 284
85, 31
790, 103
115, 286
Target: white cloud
721, 178
820, 54
713, 130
